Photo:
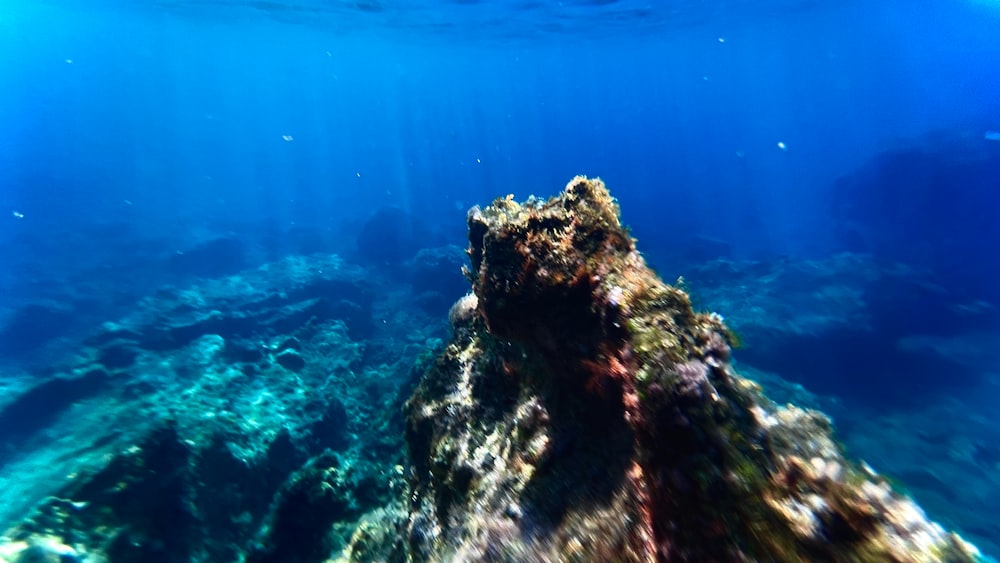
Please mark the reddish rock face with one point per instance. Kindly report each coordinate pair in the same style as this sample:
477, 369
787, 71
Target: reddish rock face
585, 412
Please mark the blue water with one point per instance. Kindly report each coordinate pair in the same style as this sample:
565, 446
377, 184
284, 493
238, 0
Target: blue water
762, 131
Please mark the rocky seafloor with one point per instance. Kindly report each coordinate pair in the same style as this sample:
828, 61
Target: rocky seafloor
577, 409
172, 432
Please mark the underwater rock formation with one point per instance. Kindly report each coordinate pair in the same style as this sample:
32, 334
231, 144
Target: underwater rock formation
796, 318
930, 203
33, 325
583, 411
210, 259
436, 277
197, 427
391, 236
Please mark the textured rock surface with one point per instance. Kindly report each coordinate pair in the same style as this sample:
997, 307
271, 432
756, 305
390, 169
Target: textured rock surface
249, 417
583, 411
795, 319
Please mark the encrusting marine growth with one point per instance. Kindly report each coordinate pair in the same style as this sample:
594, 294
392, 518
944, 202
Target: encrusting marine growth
583, 411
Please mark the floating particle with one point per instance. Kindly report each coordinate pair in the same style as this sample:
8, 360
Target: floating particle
358, 174
287, 138
128, 202
722, 40
17, 214
69, 61
478, 161
782, 146
993, 135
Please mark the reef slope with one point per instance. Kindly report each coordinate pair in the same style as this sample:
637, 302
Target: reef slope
583, 411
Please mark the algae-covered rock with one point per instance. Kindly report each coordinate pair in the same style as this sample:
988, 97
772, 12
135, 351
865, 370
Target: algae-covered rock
584, 411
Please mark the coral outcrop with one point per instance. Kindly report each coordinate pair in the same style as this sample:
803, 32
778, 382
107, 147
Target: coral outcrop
584, 411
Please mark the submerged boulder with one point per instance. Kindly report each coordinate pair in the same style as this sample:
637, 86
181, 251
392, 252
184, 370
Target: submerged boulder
583, 411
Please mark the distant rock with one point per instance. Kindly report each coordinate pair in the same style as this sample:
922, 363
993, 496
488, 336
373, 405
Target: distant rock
33, 325
31, 413
437, 278
932, 204
211, 259
390, 237
836, 324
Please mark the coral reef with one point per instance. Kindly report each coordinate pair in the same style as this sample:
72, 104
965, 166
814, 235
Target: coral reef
584, 411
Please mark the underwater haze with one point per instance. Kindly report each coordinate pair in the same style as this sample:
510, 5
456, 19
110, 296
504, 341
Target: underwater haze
824, 175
